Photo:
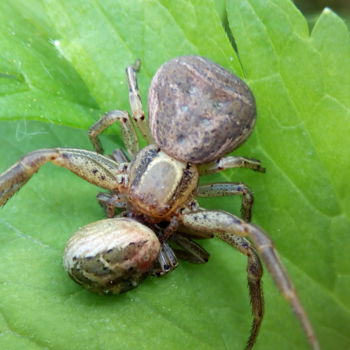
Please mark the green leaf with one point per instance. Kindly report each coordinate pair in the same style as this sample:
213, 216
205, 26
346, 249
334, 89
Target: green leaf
62, 65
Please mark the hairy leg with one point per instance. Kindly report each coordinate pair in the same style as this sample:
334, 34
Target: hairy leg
225, 226
111, 201
119, 156
166, 261
230, 189
129, 135
190, 250
254, 272
92, 167
135, 101
229, 163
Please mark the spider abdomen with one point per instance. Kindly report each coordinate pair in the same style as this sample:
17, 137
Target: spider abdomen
199, 111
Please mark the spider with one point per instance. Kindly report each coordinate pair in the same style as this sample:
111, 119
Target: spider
198, 112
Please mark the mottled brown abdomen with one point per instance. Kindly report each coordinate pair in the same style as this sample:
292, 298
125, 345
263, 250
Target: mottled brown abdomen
198, 111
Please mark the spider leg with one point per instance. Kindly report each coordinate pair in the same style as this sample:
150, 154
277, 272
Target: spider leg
230, 189
190, 250
111, 201
119, 156
128, 132
92, 167
166, 261
229, 163
226, 227
135, 101
254, 272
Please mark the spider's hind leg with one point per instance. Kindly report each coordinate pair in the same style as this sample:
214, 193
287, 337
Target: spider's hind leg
128, 132
230, 162
135, 101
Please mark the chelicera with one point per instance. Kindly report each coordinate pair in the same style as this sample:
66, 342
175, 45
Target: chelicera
198, 112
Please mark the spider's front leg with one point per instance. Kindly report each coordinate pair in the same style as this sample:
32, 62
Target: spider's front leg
254, 272
227, 227
92, 167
